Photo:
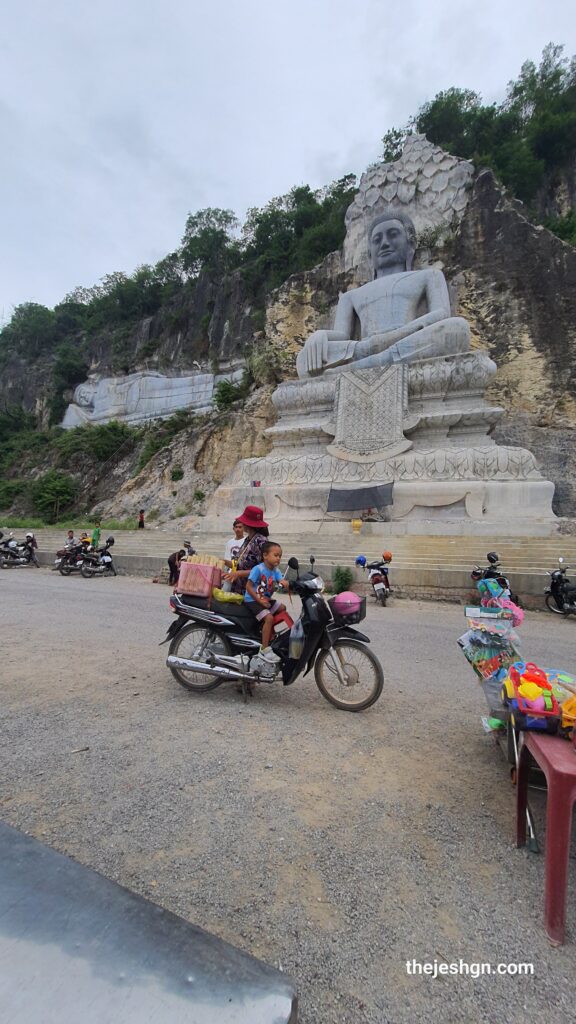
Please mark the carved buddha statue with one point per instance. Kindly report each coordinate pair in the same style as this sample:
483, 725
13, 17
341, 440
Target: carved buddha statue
404, 314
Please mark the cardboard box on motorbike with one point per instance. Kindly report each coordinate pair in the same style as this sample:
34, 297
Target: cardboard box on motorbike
199, 575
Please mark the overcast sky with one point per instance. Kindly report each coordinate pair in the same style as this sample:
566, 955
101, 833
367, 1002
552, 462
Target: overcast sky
119, 118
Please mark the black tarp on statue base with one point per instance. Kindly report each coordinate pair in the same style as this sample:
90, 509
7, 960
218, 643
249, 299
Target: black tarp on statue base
354, 499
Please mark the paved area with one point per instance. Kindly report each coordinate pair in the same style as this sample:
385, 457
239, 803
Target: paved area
336, 846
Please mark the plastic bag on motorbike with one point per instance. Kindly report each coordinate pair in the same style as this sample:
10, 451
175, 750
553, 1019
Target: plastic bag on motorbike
296, 641
219, 594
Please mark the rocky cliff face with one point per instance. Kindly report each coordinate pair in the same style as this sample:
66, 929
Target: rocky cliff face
204, 454
208, 325
557, 197
518, 291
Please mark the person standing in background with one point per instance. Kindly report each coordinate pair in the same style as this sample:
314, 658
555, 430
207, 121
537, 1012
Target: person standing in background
96, 535
174, 565
232, 550
141, 519
234, 544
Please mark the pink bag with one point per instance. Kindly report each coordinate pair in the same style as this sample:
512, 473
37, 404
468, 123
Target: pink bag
198, 580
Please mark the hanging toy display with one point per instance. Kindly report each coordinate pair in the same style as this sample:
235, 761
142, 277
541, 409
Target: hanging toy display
530, 697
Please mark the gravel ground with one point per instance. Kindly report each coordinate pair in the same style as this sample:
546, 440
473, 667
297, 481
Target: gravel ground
333, 845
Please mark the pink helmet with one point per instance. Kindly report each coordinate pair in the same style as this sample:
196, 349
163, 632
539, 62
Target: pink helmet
346, 603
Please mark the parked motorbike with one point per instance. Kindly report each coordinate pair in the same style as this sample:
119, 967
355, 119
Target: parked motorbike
14, 554
493, 571
211, 642
378, 575
100, 562
561, 594
71, 559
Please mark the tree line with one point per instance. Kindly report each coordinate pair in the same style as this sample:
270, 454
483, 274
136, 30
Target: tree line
291, 233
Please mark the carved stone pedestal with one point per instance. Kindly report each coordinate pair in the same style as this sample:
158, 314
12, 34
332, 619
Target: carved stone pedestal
422, 427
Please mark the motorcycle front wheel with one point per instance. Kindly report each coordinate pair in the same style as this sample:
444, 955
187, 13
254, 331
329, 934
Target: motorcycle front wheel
552, 606
197, 643
87, 571
363, 678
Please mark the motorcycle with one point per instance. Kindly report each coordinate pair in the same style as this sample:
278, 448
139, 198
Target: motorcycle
71, 559
561, 594
211, 642
14, 554
493, 571
378, 575
99, 563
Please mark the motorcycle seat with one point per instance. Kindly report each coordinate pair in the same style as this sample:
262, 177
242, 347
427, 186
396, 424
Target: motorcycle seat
237, 612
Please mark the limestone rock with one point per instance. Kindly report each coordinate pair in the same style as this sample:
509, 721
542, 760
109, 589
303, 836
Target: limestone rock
205, 452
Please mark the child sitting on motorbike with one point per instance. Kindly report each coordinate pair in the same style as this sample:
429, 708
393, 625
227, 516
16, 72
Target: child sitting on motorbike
259, 597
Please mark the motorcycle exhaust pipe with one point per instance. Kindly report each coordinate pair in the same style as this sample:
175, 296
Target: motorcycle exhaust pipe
210, 670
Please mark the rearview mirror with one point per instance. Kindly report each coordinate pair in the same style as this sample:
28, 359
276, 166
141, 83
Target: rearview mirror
293, 563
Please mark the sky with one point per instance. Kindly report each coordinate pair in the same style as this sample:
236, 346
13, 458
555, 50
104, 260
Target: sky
117, 119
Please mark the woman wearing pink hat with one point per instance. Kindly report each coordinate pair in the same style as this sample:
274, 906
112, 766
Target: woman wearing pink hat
250, 553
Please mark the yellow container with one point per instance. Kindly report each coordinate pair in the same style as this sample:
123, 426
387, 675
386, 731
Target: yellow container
568, 710
356, 525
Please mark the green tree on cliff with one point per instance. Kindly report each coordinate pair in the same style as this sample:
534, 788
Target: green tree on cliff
208, 243
529, 134
532, 132
30, 331
294, 232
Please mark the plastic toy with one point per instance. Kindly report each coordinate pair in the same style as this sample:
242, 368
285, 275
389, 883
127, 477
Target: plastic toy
490, 588
527, 693
568, 721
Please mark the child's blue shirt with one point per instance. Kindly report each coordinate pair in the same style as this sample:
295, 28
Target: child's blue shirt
263, 580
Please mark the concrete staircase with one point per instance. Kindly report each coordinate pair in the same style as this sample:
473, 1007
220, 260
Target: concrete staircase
422, 566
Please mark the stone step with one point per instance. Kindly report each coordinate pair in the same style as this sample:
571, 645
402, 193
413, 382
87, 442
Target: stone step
414, 553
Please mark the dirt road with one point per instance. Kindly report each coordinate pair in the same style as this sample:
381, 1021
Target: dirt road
338, 846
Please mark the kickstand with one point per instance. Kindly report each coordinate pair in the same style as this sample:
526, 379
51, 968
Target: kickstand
247, 690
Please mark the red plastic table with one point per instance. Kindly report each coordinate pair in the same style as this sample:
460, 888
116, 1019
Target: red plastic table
557, 759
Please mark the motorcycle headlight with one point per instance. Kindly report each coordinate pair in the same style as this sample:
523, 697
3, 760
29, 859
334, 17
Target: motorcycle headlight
317, 584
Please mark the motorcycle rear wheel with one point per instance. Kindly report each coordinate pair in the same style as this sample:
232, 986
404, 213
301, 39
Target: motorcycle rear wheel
195, 642
356, 661
87, 571
64, 569
552, 606
381, 597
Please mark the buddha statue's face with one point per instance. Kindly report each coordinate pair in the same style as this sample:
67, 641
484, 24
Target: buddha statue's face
389, 247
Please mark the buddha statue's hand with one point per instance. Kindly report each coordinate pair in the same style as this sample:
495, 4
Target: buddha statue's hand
322, 350
381, 342
314, 355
